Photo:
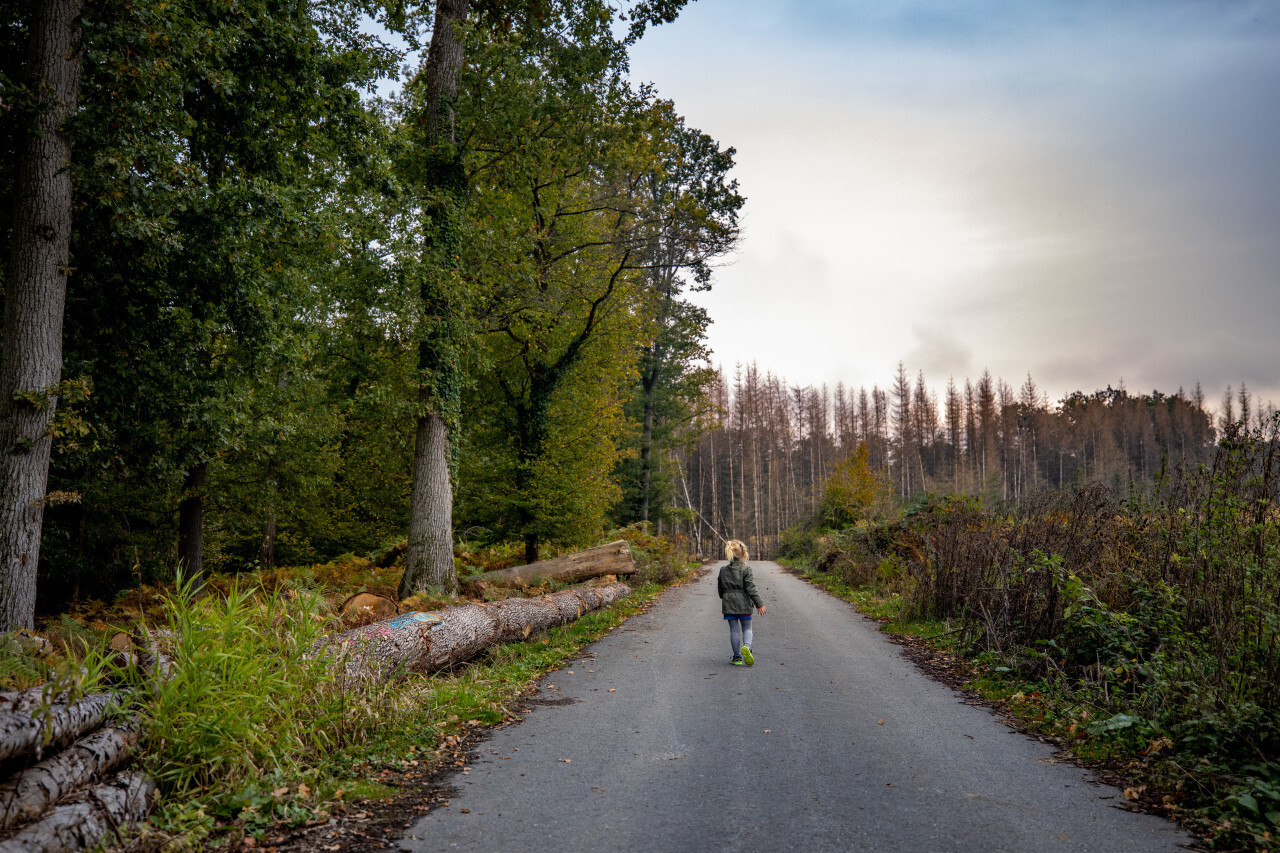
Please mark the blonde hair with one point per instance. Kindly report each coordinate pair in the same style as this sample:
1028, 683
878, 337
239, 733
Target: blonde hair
734, 548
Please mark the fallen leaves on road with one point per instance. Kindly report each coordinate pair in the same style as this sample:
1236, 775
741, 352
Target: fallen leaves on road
1134, 793
881, 723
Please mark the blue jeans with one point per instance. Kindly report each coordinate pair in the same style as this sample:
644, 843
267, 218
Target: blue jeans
739, 631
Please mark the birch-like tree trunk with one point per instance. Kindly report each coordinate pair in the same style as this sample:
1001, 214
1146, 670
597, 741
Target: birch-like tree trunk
35, 293
88, 819
33, 791
23, 732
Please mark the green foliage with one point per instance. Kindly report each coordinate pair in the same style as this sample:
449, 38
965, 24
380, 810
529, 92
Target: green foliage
700, 207
229, 713
854, 491
275, 276
568, 205
1143, 631
216, 153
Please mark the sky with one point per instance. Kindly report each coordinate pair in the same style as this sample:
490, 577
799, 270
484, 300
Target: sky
1085, 191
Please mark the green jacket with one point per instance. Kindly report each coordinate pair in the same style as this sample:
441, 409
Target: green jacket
737, 588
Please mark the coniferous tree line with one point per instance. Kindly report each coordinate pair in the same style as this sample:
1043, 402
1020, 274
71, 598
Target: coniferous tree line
759, 458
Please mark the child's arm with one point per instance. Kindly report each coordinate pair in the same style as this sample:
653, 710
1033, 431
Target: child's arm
749, 587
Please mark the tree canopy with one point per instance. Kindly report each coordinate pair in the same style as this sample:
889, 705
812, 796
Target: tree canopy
275, 274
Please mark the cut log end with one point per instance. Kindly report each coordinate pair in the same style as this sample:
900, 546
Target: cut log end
364, 608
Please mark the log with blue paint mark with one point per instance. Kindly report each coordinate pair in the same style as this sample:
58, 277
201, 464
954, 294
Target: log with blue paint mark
425, 642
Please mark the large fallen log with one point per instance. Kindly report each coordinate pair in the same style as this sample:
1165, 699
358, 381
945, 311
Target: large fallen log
611, 559
24, 732
31, 792
426, 642
84, 822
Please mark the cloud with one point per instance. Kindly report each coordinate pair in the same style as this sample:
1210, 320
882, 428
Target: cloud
940, 354
1082, 190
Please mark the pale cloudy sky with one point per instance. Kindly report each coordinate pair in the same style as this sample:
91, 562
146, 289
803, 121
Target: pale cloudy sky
1085, 190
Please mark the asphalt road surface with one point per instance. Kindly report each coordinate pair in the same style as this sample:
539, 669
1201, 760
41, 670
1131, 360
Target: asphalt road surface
661, 745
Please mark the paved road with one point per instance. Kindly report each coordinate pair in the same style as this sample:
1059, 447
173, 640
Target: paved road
666, 747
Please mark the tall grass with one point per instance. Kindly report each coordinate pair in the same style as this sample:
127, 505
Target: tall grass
244, 699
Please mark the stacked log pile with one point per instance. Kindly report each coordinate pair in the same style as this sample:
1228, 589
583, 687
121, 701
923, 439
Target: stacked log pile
66, 787
63, 796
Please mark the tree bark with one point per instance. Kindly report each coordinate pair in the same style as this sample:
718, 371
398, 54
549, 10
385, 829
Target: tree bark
426, 642
611, 559
269, 528
429, 557
34, 298
88, 820
649, 382
191, 525
29, 732
31, 792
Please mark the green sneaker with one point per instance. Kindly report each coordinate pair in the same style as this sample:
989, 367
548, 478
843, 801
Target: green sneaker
737, 660
747, 657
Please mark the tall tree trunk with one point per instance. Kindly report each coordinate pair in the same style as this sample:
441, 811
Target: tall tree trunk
270, 527
35, 294
191, 525
650, 384
429, 558
431, 522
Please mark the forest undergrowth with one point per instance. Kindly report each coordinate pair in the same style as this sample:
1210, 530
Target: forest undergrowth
1141, 635
237, 757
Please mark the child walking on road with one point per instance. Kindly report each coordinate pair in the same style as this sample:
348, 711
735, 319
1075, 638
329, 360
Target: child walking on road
738, 596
